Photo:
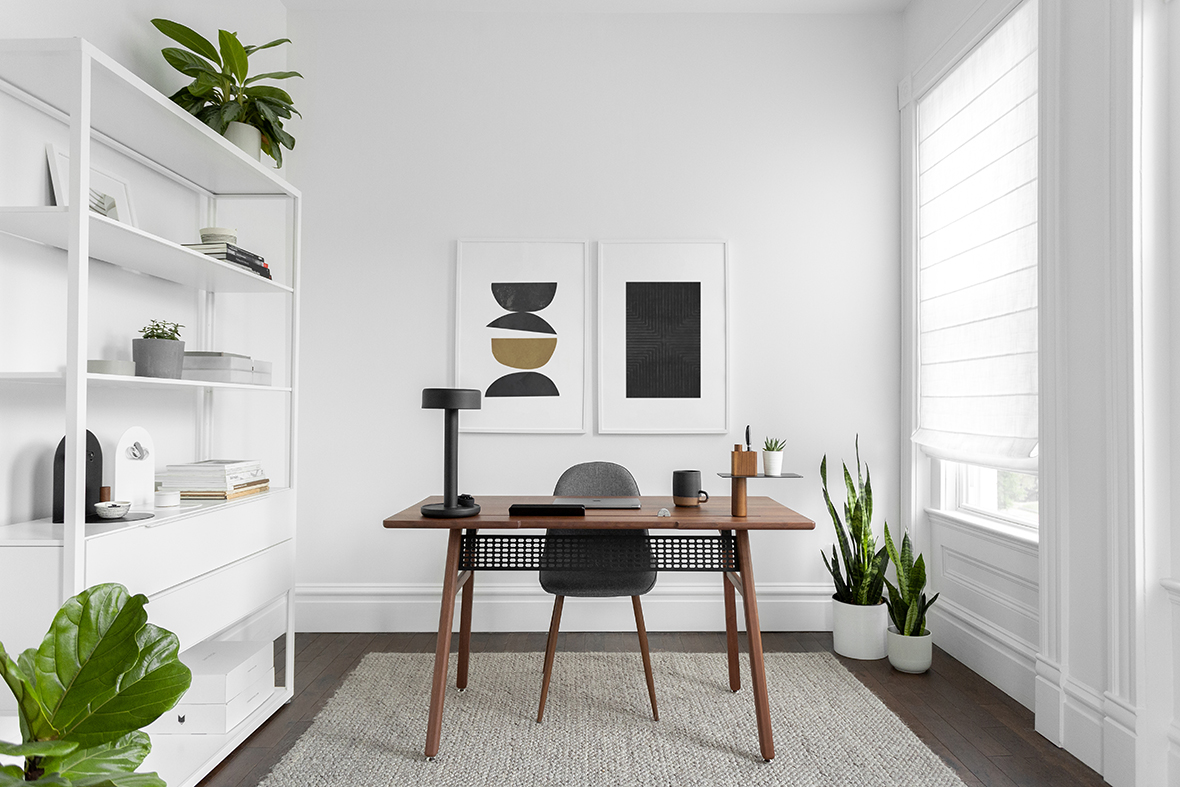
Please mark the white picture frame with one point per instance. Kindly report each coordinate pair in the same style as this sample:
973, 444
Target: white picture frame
624, 406
102, 184
485, 331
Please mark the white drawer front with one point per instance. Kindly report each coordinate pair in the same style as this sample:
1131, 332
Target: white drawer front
200, 609
150, 559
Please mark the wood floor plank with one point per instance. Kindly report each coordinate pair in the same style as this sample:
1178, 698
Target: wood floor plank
986, 737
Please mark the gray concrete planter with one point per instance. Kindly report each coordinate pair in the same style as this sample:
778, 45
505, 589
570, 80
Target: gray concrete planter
158, 357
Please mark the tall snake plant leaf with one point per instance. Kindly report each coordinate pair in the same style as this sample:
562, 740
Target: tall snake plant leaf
864, 564
841, 537
189, 38
918, 577
899, 563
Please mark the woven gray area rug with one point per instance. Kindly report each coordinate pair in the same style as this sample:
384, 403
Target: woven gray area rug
828, 728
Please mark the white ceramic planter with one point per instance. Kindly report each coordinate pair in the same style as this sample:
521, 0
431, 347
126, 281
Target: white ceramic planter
910, 654
858, 632
245, 137
772, 462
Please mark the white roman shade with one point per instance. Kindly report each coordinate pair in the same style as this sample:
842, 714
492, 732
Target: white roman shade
977, 253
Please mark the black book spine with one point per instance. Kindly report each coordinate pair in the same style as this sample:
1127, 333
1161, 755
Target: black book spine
261, 270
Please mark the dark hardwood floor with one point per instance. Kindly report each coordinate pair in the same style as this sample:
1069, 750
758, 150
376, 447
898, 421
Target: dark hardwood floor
983, 734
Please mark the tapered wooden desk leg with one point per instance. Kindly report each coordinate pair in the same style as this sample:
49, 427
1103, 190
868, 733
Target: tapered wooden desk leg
646, 652
442, 651
731, 635
754, 635
465, 628
550, 651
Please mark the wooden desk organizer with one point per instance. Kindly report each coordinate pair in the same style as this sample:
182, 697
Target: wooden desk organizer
742, 465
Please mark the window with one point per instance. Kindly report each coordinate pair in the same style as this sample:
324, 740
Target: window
977, 271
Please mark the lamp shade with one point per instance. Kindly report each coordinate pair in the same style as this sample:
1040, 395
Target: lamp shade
450, 399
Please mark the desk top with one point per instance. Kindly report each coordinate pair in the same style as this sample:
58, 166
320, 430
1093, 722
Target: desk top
763, 514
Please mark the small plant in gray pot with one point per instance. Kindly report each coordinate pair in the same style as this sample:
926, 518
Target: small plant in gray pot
910, 645
160, 353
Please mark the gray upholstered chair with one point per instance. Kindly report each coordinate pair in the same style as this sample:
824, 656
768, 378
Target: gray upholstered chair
599, 479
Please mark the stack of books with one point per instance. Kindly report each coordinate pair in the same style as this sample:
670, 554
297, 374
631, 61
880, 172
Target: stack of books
215, 479
235, 254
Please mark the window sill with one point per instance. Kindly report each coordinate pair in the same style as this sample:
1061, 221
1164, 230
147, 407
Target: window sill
1017, 535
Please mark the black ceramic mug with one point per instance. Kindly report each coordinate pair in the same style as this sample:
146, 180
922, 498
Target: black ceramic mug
686, 488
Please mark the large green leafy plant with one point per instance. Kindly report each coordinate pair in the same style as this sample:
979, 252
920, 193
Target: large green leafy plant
222, 90
101, 673
907, 601
863, 578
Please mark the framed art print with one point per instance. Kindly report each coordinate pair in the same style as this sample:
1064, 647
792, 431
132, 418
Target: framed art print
663, 337
520, 334
110, 195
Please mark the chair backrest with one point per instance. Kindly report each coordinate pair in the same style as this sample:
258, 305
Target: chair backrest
598, 479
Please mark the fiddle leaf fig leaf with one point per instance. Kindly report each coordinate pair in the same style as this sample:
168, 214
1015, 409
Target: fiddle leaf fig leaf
88, 648
153, 684
120, 757
37, 748
34, 719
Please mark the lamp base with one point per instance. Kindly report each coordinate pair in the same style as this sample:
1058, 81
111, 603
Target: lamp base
441, 511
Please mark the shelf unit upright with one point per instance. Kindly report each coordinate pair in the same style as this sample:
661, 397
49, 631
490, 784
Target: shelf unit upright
215, 570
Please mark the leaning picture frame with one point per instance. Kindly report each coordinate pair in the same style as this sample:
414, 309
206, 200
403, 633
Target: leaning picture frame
663, 337
110, 195
521, 308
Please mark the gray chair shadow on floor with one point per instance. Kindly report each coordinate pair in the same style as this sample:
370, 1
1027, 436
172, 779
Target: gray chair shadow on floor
598, 479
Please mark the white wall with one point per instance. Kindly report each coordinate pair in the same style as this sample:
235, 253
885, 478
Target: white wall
778, 133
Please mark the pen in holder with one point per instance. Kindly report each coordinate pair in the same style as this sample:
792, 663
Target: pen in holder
742, 465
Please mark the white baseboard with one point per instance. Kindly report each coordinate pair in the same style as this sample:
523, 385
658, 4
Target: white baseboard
1174, 755
1004, 659
1049, 700
526, 607
1083, 722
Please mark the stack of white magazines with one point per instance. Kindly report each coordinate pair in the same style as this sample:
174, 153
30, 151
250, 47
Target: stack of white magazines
219, 367
215, 479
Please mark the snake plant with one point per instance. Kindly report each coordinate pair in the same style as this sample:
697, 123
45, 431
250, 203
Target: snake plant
907, 602
863, 577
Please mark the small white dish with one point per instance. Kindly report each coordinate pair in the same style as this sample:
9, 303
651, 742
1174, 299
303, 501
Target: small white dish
113, 509
219, 235
167, 499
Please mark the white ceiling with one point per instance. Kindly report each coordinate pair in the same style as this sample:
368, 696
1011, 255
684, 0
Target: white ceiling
614, 6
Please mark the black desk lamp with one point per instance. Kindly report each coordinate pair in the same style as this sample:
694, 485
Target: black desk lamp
452, 400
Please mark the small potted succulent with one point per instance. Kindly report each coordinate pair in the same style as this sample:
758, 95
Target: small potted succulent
160, 353
910, 647
859, 613
772, 456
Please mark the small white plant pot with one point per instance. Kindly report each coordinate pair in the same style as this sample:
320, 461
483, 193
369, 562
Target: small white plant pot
245, 137
910, 654
858, 632
772, 462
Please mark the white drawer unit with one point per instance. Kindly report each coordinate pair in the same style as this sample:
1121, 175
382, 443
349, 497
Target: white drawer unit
213, 570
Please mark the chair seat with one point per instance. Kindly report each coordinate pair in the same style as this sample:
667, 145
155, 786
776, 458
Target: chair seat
602, 584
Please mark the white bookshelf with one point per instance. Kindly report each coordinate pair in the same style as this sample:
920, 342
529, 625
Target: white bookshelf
211, 569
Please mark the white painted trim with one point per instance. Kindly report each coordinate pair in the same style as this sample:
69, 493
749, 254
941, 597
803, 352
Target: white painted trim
1050, 700
1008, 536
1001, 599
1174, 755
524, 606
1006, 660
1172, 586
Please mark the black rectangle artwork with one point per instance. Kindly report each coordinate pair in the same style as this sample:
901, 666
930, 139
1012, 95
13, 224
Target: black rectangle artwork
663, 340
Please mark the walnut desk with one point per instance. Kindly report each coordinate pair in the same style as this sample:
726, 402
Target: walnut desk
688, 550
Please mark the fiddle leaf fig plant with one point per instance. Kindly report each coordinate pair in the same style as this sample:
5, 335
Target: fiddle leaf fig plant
222, 91
863, 577
101, 673
907, 601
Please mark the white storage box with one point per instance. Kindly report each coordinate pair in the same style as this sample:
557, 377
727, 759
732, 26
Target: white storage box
214, 718
218, 375
262, 372
215, 360
223, 670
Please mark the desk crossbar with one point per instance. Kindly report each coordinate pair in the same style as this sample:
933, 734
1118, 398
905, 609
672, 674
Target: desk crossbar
598, 552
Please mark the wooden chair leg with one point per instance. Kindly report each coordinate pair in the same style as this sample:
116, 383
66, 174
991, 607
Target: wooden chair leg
651, 681
550, 650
